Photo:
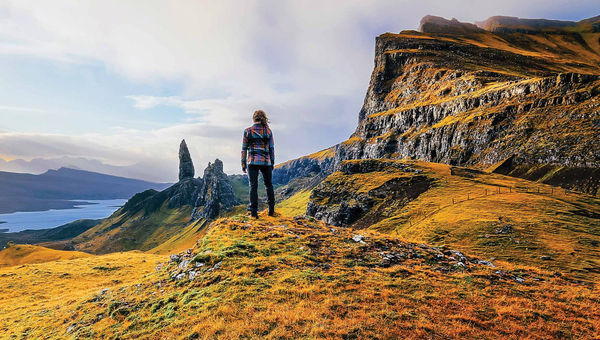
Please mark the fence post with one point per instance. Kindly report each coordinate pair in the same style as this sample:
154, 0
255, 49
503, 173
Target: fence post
468, 197
486, 192
509, 189
452, 200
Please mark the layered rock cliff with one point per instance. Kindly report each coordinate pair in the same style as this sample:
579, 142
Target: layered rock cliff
461, 95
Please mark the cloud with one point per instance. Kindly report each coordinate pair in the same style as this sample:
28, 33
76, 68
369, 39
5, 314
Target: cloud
20, 109
307, 63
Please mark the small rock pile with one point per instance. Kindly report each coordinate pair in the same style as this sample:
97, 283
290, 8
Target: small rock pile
446, 260
185, 266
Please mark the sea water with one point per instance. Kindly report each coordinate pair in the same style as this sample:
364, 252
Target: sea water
19, 221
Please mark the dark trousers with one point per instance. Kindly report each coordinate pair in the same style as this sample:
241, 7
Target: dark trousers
267, 172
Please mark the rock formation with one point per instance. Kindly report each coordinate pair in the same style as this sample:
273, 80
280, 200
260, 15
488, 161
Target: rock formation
433, 24
186, 166
216, 193
342, 200
209, 196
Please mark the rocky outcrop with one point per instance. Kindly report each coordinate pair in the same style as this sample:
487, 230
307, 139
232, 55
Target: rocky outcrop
479, 101
210, 195
216, 193
433, 24
504, 24
186, 166
345, 199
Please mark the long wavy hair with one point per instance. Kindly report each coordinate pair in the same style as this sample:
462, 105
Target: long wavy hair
260, 117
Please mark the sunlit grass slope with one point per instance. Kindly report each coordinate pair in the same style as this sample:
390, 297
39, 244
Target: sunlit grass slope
494, 216
183, 240
140, 231
294, 205
36, 298
19, 254
296, 278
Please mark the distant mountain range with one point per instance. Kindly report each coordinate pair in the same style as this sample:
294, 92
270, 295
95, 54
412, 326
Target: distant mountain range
149, 171
55, 189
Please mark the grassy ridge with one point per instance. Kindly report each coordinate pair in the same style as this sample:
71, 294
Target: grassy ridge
286, 278
124, 232
20, 254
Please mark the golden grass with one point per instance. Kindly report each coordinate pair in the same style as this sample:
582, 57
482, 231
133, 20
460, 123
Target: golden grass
19, 254
122, 232
294, 205
288, 278
184, 240
34, 298
544, 221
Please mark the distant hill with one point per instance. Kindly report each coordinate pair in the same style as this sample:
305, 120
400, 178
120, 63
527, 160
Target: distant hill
55, 188
60, 233
25, 254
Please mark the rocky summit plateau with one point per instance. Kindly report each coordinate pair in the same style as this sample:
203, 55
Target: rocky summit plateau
464, 206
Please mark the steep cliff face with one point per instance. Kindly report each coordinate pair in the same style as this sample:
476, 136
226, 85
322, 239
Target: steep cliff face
303, 173
477, 98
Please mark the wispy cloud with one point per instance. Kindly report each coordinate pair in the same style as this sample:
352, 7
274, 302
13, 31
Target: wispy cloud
307, 63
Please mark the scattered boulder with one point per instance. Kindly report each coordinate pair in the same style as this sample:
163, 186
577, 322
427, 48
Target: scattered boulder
358, 239
487, 263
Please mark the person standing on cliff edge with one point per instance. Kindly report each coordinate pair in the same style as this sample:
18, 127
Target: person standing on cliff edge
258, 154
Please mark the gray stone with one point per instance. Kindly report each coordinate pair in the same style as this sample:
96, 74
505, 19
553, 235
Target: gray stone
183, 264
215, 194
186, 166
487, 263
358, 239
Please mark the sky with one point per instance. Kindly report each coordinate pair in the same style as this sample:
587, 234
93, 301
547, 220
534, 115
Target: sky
113, 86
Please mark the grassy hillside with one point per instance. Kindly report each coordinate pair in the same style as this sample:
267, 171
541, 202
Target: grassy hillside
183, 240
294, 205
284, 278
490, 215
20, 254
122, 232
63, 232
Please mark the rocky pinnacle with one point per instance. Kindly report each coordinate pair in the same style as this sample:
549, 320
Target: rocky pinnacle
186, 166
